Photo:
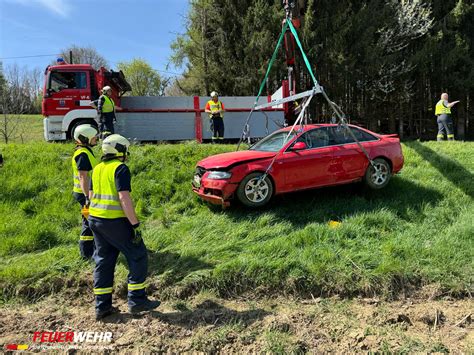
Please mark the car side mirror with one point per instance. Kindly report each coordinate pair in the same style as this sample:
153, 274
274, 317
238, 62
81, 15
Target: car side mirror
299, 146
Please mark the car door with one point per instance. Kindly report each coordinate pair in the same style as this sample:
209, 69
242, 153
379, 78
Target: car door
309, 167
349, 162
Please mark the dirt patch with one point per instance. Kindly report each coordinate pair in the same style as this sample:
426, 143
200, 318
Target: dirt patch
206, 323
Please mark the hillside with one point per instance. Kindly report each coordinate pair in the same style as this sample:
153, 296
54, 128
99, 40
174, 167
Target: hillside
417, 231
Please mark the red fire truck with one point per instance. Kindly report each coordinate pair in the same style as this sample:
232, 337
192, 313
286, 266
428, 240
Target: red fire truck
70, 88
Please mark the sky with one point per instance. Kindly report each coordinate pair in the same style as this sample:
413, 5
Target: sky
119, 30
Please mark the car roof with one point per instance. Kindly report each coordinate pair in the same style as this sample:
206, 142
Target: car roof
308, 127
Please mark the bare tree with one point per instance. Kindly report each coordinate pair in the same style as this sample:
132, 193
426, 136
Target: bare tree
84, 55
15, 100
174, 88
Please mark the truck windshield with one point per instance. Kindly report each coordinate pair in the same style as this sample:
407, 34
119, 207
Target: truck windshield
274, 142
67, 80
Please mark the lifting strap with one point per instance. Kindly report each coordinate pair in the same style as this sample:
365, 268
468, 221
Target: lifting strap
316, 89
246, 129
297, 122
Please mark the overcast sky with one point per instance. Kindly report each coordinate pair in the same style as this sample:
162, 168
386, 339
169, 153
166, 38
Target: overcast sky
120, 30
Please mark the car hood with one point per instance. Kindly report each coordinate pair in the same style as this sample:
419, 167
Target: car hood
227, 160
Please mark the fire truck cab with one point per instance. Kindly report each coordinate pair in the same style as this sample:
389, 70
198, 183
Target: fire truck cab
69, 90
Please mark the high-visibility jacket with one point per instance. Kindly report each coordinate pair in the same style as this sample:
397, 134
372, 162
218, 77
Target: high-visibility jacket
75, 172
441, 109
214, 107
109, 105
105, 202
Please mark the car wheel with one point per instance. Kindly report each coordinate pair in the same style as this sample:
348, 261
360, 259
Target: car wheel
380, 176
254, 191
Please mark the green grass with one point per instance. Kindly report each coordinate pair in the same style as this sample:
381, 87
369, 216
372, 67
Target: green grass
30, 129
417, 231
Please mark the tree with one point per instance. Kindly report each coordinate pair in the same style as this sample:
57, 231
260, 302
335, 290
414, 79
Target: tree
144, 80
385, 62
84, 55
174, 88
14, 101
227, 45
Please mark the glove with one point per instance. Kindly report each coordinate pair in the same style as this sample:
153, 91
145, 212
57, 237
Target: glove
87, 203
137, 234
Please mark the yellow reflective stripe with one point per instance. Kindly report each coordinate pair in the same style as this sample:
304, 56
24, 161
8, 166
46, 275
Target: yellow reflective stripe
102, 291
103, 206
105, 197
136, 287
86, 237
450, 135
440, 136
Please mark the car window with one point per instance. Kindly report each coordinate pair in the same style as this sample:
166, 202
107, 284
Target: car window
273, 142
315, 138
361, 135
68, 80
340, 135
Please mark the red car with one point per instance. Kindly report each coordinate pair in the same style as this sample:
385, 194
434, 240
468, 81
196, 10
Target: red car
313, 156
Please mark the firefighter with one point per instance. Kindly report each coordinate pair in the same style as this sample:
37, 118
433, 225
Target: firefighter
116, 229
215, 109
444, 120
106, 111
83, 161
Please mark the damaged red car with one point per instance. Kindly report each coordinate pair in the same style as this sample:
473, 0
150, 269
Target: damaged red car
311, 156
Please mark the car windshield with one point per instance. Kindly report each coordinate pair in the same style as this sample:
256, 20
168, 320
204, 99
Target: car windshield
274, 142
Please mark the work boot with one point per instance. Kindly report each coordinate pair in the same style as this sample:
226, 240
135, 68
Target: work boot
148, 305
103, 314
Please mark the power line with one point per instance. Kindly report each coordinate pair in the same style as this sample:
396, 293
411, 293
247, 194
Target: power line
30, 56
176, 75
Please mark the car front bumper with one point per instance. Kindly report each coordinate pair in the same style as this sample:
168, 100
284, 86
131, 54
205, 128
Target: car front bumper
217, 192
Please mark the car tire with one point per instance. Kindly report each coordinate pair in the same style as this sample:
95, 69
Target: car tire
378, 179
255, 192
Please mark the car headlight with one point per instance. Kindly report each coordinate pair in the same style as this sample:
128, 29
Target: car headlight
219, 175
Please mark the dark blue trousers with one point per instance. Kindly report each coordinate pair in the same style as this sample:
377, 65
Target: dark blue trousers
107, 123
86, 239
445, 127
114, 236
217, 128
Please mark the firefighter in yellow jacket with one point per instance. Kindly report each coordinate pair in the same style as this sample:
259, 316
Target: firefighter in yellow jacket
83, 162
444, 120
106, 111
215, 109
116, 229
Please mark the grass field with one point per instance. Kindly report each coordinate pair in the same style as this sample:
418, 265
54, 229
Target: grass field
417, 231
28, 129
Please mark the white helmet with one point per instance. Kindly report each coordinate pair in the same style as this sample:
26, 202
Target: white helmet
214, 94
115, 144
106, 88
84, 133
